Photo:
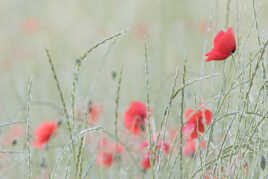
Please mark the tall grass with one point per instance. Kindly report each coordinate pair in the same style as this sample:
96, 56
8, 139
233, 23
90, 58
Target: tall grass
235, 90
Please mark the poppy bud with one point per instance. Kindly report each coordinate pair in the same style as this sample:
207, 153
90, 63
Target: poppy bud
59, 122
43, 163
263, 162
114, 75
14, 142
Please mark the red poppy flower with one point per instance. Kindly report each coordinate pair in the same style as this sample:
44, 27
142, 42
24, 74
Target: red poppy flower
146, 164
44, 132
135, 117
146, 159
160, 144
106, 145
224, 46
105, 159
196, 121
109, 152
95, 112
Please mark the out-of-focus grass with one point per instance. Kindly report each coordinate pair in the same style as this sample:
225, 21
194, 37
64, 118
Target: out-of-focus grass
174, 30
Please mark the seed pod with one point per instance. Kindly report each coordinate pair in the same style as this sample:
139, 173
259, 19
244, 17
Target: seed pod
89, 106
43, 163
14, 142
59, 122
263, 162
142, 126
114, 74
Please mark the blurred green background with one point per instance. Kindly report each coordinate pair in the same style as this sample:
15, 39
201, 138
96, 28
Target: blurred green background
174, 30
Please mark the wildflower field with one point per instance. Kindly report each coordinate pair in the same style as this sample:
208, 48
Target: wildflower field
133, 89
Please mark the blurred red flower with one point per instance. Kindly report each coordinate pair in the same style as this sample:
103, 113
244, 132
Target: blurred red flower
190, 147
44, 132
203, 144
135, 117
106, 145
196, 121
174, 132
145, 145
95, 112
146, 164
142, 30
117, 148
205, 27
31, 25
108, 152
105, 159
160, 144
224, 46
15, 132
